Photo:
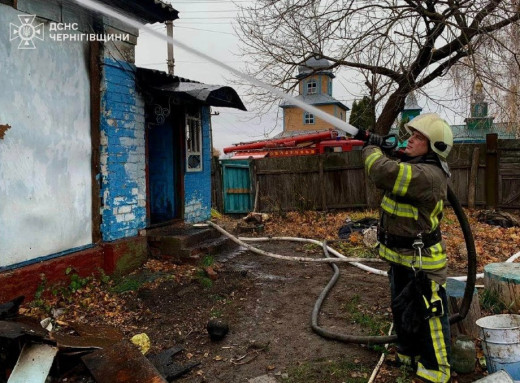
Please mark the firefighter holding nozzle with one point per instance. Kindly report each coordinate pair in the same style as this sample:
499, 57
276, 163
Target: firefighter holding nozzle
415, 188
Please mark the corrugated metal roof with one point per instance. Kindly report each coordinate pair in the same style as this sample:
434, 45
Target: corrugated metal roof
213, 95
147, 11
315, 99
461, 133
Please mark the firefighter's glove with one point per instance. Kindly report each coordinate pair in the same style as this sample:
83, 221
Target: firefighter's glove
362, 135
375, 139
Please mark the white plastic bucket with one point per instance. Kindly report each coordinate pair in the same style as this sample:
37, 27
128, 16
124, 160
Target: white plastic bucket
497, 377
500, 336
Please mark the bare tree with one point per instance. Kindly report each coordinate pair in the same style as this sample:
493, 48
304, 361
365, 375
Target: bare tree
397, 46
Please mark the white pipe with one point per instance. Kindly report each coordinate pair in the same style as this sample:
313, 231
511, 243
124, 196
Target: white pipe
353, 261
481, 275
278, 256
381, 359
330, 249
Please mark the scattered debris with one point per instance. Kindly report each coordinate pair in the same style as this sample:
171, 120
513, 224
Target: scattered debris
22, 326
360, 226
263, 379
370, 237
499, 218
121, 362
215, 214
249, 227
256, 217
142, 341
10, 309
217, 329
211, 273
34, 364
167, 367
3, 129
46, 324
80, 343
246, 358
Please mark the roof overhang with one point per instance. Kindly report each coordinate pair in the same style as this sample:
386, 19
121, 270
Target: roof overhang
147, 11
213, 95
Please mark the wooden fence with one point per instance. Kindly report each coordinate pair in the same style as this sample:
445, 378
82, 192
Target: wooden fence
483, 175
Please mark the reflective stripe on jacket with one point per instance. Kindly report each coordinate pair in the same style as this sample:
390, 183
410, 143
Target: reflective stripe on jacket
412, 204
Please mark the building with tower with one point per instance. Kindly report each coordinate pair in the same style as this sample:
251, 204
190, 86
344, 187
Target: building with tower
476, 127
480, 123
315, 88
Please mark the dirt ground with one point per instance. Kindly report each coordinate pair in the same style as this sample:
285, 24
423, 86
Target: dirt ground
267, 304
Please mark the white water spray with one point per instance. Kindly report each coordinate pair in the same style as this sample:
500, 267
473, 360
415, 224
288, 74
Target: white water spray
342, 125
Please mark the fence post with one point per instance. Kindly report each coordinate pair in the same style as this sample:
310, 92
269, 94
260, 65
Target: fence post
322, 185
473, 174
491, 170
255, 185
216, 185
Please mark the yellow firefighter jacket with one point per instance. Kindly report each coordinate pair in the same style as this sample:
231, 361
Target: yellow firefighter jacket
413, 202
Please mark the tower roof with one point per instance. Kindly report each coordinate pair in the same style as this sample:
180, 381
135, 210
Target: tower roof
411, 102
478, 91
314, 64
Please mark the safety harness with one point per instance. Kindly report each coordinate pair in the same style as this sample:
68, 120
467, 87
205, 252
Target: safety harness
402, 242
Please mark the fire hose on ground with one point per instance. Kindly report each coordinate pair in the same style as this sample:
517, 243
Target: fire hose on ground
347, 338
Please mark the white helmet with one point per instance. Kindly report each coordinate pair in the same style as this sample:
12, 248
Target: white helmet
436, 130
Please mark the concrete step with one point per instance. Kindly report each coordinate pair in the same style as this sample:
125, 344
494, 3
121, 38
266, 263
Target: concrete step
185, 243
212, 246
175, 239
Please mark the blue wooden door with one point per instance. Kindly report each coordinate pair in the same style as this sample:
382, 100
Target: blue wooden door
237, 186
161, 173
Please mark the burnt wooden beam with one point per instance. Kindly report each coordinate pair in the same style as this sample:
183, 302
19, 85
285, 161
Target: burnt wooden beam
95, 135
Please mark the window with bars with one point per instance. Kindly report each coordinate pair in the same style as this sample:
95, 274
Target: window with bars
193, 142
308, 118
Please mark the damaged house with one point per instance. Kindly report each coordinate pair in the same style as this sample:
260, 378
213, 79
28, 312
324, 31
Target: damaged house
93, 150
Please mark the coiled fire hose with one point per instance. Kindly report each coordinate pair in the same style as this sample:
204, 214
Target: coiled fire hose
347, 338
464, 307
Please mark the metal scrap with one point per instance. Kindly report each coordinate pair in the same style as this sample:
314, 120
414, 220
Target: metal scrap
34, 364
10, 309
22, 326
167, 367
121, 362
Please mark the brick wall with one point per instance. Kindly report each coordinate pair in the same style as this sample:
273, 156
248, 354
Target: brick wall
197, 185
123, 177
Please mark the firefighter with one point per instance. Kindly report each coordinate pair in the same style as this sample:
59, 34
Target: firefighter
415, 188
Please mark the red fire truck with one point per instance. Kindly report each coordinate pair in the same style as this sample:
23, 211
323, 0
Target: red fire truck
298, 145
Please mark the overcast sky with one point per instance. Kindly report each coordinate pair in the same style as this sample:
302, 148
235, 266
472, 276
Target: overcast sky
207, 25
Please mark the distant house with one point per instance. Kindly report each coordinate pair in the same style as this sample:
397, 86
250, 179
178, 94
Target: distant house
92, 148
477, 126
314, 88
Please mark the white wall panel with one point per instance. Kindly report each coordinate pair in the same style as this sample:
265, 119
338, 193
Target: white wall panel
45, 184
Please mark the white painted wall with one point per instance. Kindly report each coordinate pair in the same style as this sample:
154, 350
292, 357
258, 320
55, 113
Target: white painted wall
45, 185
